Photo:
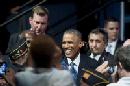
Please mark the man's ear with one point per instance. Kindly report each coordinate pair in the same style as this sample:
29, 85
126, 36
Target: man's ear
81, 43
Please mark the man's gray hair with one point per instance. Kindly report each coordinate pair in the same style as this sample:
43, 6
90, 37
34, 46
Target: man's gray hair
75, 32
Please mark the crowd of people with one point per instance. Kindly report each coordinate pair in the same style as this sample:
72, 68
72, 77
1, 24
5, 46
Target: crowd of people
34, 59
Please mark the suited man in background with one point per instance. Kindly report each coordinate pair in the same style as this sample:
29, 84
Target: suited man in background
97, 41
112, 27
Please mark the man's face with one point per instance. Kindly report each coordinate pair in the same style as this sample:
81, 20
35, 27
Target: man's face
38, 23
96, 43
71, 45
112, 28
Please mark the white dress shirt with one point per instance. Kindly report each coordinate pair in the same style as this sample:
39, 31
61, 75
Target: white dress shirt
113, 47
76, 61
95, 57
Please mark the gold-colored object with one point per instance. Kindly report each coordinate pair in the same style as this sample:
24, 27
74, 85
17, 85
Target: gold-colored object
88, 73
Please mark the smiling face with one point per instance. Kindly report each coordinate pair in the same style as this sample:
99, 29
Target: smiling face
71, 45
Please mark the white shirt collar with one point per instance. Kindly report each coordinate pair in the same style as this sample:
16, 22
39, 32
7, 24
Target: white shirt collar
95, 57
113, 47
113, 43
76, 61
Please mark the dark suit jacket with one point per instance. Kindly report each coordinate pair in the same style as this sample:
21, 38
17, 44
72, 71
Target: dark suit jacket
83, 64
119, 44
105, 56
87, 63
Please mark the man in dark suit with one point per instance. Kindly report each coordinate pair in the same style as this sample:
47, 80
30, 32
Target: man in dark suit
111, 26
97, 40
71, 45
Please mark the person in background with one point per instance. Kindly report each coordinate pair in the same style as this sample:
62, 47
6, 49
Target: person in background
43, 52
101, 61
38, 22
97, 40
112, 27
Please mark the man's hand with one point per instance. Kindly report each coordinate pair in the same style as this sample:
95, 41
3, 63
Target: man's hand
103, 67
126, 43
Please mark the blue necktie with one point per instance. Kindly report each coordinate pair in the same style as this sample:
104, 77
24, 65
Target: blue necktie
73, 71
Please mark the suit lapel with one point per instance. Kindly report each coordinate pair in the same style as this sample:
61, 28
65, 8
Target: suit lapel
64, 64
118, 44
